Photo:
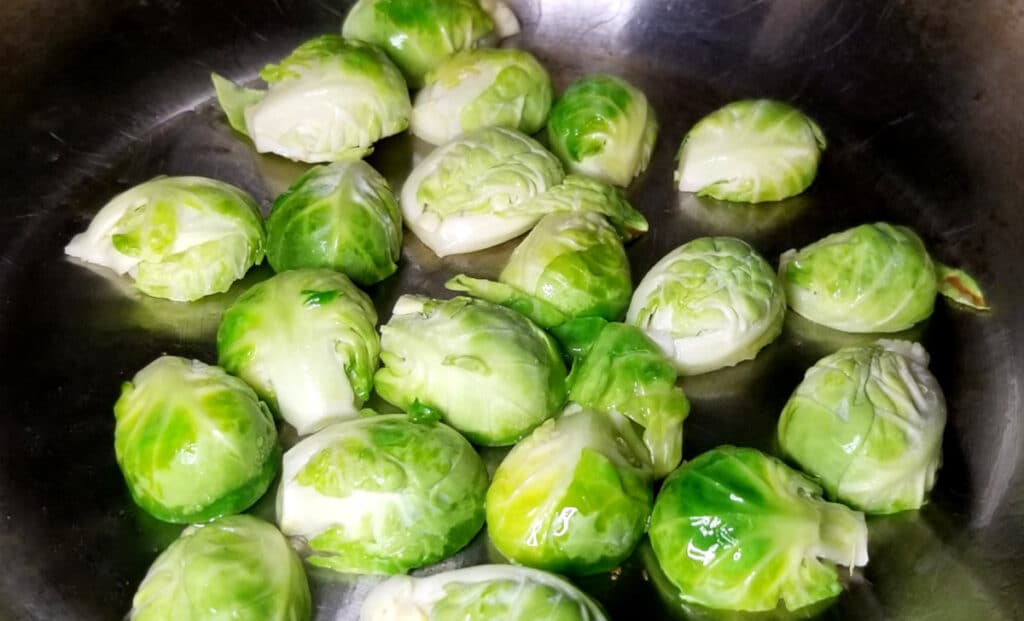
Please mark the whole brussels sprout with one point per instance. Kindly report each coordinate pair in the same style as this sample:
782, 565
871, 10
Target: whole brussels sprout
709, 304
603, 127
750, 151
306, 341
871, 278
574, 496
343, 217
487, 371
467, 195
193, 443
480, 88
481, 593
735, 529
867, 422
420, 34
329, 100
618, 369
179, 238
382, 494
237, 567
570, 265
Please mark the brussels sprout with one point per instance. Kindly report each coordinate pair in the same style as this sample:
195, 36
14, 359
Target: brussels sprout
750, 151
481, 593
572, 264
485, 370
735, 529
193, 443
420, 34
574, 496
871, 278
620, 370
382, 494
867, 422
467, 194
341, 216
179, 238
480, 88
237, 567
306, 341
329, 100
603, 127
709, 304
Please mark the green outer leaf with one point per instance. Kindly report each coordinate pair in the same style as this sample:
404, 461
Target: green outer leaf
960, 287
382, 494
750, 151
234, 100
537, 310
603, 127
192, 442
579, 194
871, 278
625, 373
343, 217
735, 529
306, 341
418, 35
482, 593
577, 336
492, 373
868, 423
237, 567
573, 497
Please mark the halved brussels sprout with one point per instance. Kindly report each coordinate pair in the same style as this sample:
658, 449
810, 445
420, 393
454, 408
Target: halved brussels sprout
603, 127
193, 443
574, 496
382, 494
237, 567
487, 371
329, 100
480, 88
306, 341
867, 422
179, 238
420, 34
481, 593
750, 151
467, 194
344, 217
871, 278
709, 304
618, 369
570, 265
735, 529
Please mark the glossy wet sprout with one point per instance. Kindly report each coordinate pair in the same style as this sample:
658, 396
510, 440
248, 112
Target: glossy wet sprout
711, 303
574, 496
306, 341
419, 35
871, 278
382, 494
735, 529
343, 217
487, 371
480, 88
603, 127
193, 442
237, 567
867, 422
750, 151
180, 238
331, 99
481, 593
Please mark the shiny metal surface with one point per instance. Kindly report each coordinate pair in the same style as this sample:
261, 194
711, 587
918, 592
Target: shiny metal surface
920, 101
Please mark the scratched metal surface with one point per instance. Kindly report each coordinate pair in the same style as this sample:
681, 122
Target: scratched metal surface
920, 100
